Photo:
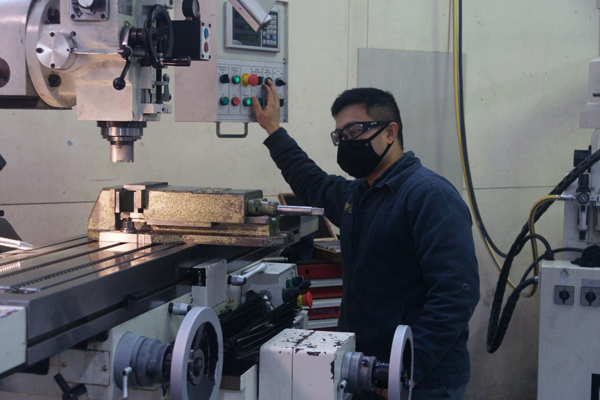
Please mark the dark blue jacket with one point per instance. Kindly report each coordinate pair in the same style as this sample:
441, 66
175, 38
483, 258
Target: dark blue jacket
408, 258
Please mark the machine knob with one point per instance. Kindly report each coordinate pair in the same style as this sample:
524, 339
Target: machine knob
281, 102
280, 82
590, 297
119, 83
261, 80
564, 295
224, 78
87, 4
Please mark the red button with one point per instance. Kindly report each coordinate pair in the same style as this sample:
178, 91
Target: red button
235, 101
206, 48
253, 80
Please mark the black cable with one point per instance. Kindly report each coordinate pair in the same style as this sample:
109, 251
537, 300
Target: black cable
540, 258
507, 314
520, 241
496, 335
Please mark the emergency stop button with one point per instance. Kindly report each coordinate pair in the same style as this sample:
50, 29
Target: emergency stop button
249, 80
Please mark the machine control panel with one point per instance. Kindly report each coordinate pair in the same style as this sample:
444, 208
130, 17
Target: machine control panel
248, 59
240, 80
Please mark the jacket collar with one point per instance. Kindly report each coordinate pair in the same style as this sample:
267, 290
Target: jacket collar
398, 172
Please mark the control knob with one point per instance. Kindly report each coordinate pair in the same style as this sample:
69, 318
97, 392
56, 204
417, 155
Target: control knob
87, 4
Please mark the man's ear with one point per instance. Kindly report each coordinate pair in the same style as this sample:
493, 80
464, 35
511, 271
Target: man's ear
392, 132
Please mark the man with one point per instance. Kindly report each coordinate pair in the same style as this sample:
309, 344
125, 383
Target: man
405, 233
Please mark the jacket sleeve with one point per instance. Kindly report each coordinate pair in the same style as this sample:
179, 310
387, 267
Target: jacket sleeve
309, 182
444, 246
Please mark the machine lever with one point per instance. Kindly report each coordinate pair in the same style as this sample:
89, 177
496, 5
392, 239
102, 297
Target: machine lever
240, 280
119, 83
176, 61
341, 389
68, 392
126, 373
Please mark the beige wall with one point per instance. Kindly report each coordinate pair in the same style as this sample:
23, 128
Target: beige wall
527, 80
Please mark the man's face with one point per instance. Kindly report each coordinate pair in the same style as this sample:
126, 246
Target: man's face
357, 113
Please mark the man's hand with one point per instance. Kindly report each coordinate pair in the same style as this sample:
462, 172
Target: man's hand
268, 118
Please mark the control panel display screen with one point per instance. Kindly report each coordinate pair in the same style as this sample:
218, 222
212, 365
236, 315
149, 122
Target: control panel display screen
244, 35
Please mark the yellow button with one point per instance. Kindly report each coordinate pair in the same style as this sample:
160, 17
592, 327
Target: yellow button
245, 80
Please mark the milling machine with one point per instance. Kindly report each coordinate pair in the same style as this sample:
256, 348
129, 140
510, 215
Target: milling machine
130, 310
174, 292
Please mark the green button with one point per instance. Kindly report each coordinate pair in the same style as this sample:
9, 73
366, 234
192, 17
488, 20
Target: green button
247, 102
224, 101
237, 79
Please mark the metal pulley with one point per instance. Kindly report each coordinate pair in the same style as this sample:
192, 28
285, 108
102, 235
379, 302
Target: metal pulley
197, 362
192, 366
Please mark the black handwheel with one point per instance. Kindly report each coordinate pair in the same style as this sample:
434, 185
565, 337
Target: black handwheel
158, 36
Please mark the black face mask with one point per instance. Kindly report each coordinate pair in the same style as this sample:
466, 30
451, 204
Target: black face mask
358, 158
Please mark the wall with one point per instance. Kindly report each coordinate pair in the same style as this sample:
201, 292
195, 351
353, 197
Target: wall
527, 80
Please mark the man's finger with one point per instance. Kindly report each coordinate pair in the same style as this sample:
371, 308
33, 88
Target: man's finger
274, 91
256, 106
270, 99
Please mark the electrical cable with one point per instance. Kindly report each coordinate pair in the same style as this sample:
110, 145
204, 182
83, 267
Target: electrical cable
494, 334
499, 332
498, 323
531, 227
540, 258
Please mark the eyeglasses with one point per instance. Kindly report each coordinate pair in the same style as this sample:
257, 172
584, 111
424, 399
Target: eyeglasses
354, 130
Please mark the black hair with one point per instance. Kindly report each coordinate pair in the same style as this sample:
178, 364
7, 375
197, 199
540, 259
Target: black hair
379, 105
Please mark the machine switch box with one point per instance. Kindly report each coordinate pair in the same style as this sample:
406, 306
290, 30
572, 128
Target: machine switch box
590, 296
564, 295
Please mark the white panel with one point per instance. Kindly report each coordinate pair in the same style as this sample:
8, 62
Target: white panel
568, 334
422, 84
13, 333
